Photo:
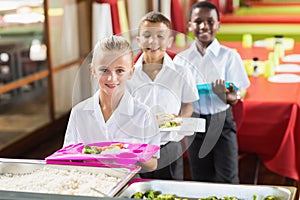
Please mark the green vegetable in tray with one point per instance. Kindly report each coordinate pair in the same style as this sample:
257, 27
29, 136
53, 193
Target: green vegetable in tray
216, 198
87, 149
209, 198
151, 194
270, 197
91, 150
170, 124
137, 195
156, 195
165, 197
230, 198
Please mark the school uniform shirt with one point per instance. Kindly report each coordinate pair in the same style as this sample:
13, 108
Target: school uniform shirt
131, 122
171, 87
219, 62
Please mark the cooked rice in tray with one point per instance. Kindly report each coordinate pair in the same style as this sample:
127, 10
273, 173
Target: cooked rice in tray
59, 181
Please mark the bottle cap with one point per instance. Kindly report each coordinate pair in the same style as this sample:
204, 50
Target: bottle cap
278, 36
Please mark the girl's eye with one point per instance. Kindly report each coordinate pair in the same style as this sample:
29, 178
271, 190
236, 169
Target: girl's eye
103, 70
160, 36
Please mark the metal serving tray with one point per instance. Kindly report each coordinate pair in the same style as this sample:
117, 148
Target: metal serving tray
192, 189
21, 166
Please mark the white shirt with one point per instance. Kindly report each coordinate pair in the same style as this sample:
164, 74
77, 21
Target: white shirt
171, 87
219, 62
131, 122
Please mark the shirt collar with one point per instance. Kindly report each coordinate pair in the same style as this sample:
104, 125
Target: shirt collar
167, 62
126, 105
96, 98
214, 48
139, 63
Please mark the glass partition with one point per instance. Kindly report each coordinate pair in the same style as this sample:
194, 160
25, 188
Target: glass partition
24, 104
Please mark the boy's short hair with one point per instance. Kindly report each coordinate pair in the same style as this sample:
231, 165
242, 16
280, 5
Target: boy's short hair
202, 4
155, 17
111, 44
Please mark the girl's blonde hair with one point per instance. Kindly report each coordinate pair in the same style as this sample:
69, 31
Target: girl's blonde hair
113, 45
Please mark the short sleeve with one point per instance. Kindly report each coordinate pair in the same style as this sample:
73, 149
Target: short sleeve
237, 73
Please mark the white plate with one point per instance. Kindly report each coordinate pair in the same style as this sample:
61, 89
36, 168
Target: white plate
284, 78
288, 68
269, 43
192, 124
259, 43
291, 58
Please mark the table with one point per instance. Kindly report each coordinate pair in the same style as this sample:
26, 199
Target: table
271, 121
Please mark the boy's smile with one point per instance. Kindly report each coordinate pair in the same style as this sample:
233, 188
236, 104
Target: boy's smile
154, 39
153, 49
204, 24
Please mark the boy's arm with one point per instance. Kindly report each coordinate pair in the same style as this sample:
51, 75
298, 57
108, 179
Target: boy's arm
186, 109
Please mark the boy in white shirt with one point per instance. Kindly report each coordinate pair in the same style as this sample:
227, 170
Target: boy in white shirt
213, 155
164, 88
112, 114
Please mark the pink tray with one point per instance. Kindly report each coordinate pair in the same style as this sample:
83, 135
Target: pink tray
131, 154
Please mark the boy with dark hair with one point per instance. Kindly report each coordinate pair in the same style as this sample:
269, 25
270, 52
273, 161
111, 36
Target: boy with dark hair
213, 155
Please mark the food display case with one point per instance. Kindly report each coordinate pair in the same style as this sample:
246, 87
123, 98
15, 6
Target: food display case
34, 179
196, 190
